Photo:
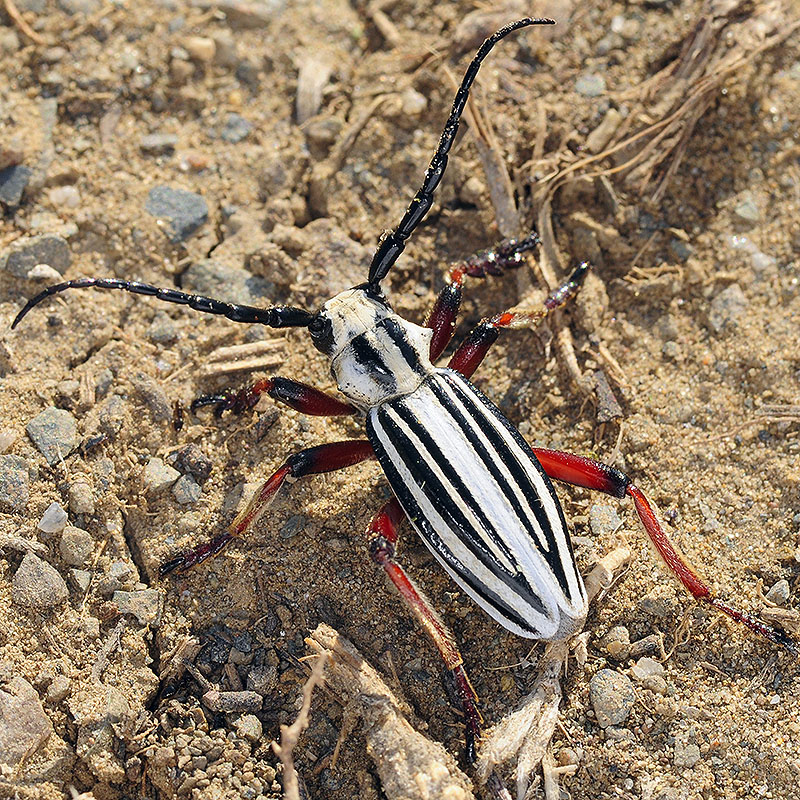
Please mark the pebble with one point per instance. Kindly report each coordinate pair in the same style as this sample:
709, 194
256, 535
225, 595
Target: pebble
79, 7
183, 212
13, 181
7, 437
157, 476
747, 209
43, 272
186, 490
145, 605
9, 41
248, 14
76, 546
604, 520
727, 307
157, 144
24, 727
14, 482
686, 753
162, 329
81, 498
153, 395
225, 54
80, 579
38, 585
65, 197
779, 593
413, 102
53, 520
54, 432
214, 279
58, 689
590, 85
236, 128
263, 678
292, 526
645, 668
193, 460
28, 251
249, 727
617, 642
200, 48
612, 697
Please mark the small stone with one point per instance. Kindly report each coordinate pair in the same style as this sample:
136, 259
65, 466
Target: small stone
55, 434
200, 48
413, 103
214, 279
262, 679
13, 181
14, 482
686, 753
779, 593
38, 585
249, 727
162, 329
186, 490
604, 520
58, 689
24, 727
727, 307
236, 128
646, 667
158, 477
7, 437
193, 460
145, 605
104, 381
157, 144
153, 395
28, 251
597, 140
65, 197
248, 14
43, 272
747, 209
590, 85
472, 191
79, 7
225, 54
80, 579
81, 498
671, 350
617, 642
612, 697
53, 520
292, 526
76, 546
182, 212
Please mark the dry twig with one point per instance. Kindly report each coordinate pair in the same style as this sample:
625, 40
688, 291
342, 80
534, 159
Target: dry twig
19, 21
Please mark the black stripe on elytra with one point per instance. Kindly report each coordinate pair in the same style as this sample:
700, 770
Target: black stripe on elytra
490, 461
400, 339
373, 362
417, 462
553, 558
429, 535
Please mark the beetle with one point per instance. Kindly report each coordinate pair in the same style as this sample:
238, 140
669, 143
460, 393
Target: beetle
475, 492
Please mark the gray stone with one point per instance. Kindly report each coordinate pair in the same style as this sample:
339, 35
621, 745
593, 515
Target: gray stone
590, 85
145, 605
232, 284
24, 727
76, 546
157, 144
162, 329
80, 579
779, 593
727, 307
612, 697
54, 432
249, 14
262, 679
58, 689
158, 477
186, 490
81, 497
193, 460
14, 482
747, 209
13, 181
249, 727
236, 128
53, 520
153, 395
292, 526
604, 520
79, 7
686, 753
29, 251
184, 212
38, 585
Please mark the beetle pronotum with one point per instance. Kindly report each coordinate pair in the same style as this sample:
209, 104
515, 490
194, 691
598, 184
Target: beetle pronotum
476, 493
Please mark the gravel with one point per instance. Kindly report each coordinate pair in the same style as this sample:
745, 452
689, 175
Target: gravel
29, 251
186, 490
183, 212
145, 605
13, 181
76, 546
235, 129
157, 144
232, 284
14, 482
158, 476
24, 727
54, 432
779, 593
612, 697
38, 585
590, 85
604, 520
53, 520
727, 307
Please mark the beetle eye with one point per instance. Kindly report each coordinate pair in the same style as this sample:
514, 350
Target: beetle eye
321, 332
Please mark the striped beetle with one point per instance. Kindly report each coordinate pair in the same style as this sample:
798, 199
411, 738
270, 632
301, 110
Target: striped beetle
475, 492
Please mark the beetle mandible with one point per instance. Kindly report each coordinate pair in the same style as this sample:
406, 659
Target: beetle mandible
476, 493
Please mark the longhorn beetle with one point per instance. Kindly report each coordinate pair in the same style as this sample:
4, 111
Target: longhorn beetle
475, 492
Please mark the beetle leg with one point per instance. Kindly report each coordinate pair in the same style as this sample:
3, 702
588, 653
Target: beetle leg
297, 395
495, 261
474, 348
586, 472
313, 461
383, 532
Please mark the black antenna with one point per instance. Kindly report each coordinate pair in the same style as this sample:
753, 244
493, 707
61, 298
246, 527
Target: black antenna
275, 317
393, 245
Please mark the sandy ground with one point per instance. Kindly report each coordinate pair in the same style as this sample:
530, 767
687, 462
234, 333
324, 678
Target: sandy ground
704, 326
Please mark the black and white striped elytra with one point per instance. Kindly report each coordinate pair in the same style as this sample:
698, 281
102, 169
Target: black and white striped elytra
466, 479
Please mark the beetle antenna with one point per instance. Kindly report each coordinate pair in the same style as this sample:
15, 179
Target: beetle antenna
393, 245
274, 317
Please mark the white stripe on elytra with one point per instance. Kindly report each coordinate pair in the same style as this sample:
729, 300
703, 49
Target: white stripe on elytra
541, 626
578, 604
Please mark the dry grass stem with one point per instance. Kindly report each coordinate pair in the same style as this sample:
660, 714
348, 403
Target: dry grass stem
19, 21
290, 734
249, 357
